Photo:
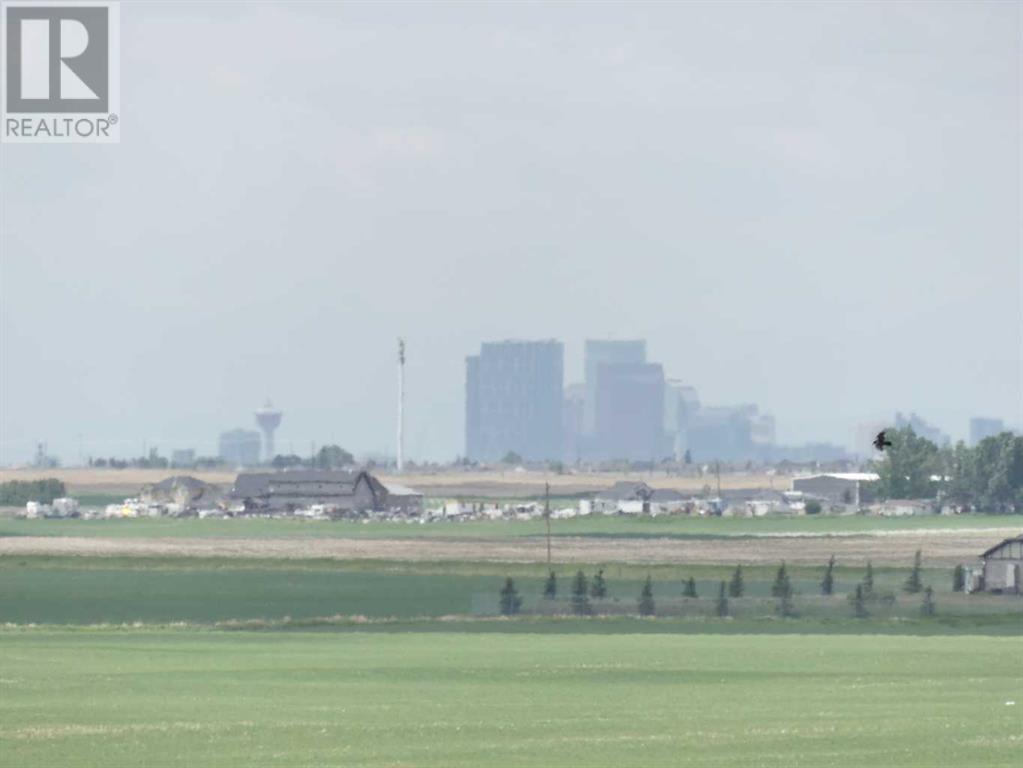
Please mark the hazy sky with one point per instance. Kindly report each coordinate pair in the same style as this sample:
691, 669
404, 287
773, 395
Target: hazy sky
816, 208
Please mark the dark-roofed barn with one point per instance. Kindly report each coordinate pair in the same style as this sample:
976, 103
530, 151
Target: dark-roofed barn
300, 489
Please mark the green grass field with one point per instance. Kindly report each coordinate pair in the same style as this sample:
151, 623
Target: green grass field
165, 661
599, 526
83, 591
194, 698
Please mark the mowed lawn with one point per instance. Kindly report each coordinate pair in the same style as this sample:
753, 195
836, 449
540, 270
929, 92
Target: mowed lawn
194, 698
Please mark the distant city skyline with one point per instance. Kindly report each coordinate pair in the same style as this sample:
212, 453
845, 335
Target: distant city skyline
68, 453
246, 435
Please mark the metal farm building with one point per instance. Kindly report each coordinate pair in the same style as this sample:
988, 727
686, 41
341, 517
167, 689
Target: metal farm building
835, 487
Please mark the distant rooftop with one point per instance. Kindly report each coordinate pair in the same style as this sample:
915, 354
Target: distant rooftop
865, 477
397, 489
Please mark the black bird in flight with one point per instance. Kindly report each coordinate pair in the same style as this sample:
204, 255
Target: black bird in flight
881, 442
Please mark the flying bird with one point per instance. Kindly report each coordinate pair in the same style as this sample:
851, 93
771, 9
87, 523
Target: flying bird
881, 442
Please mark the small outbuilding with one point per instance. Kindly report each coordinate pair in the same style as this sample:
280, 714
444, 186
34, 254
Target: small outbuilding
836, 487
402, 499
636, 497
1002, 567
626, 490
903, 507
187, 491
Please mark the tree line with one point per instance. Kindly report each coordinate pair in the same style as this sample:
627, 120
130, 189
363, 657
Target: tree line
584, 590
17, 493
154, 461
987, 477
328, 457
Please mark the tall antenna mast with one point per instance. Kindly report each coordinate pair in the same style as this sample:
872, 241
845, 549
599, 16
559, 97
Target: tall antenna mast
547, 517
401, 405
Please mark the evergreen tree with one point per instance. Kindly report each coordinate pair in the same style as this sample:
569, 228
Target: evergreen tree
859, 602
510, 600
785, 607
598, 589
722, 604
735, 586
959, 579
782, 587
580, 591
927, 607
646, 598
550, 587
689, 590
913, 584
828, 582
868, 581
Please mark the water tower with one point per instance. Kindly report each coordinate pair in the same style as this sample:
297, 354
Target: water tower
268, 420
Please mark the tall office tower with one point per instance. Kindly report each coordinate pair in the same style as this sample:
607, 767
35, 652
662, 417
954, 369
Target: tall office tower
727, 433
922, 428
240, 447
601, 352
681, 402
572, 422
981, 427
513, 400
630, 412
762, 430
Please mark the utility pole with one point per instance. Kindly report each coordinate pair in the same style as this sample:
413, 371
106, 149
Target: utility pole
400, 461
547, 517
717, 469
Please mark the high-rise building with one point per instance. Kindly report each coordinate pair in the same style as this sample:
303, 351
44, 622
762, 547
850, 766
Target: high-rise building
981, 427
513, 400
723, 433
681, 402
922, 429
183, 457
762, 430
629, 412
240, 447
602, 352
572, 422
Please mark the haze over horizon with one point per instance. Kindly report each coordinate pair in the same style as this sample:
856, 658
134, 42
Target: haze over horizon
814, 208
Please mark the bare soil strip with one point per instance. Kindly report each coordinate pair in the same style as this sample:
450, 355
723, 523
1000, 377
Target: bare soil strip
939, 548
